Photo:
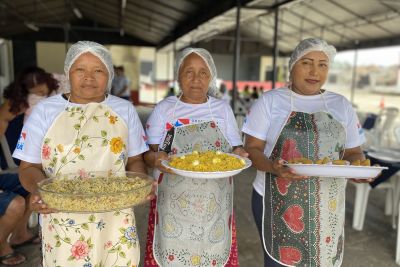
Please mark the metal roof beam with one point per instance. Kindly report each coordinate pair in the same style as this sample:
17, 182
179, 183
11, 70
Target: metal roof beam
211, 10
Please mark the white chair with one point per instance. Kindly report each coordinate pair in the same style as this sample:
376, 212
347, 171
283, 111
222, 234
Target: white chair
361, 201
382, 134
13, 168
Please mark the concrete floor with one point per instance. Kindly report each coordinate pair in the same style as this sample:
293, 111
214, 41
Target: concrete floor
372, 247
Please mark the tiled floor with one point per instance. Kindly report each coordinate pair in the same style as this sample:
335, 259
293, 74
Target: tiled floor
372, 247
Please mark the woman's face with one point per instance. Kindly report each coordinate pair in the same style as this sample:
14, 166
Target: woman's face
88, 77
40, 90
309, 74
194, 78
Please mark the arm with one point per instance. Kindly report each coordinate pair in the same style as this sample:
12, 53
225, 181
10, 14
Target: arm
136, 164
29, 175
255, 148
352, 154
153, 158
5, 117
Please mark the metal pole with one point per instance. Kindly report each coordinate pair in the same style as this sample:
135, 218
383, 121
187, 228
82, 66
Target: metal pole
155, 76
354, 76
236, 57
66, 36
276, 51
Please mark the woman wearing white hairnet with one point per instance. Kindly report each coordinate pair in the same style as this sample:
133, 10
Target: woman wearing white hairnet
301, 219
110, 138
191, 223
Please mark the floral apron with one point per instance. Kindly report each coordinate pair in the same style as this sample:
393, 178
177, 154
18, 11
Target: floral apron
304, 220
193, 217
88, 138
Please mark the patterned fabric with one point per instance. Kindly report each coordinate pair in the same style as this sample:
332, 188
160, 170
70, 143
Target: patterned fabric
193, 221
304, 220
86, 137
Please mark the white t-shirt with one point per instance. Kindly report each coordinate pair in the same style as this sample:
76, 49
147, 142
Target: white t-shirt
45, 112
162, 118
269, 114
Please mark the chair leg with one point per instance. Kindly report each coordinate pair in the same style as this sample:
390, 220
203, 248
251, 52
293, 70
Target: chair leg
389, 208
398, 242
360, 205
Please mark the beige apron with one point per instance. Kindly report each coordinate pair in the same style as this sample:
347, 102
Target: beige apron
88, 138
194, 216
304, 220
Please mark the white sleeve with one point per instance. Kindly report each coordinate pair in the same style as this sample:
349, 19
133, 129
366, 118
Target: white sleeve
155, 127
136, 136
257, 120
29, 145
232, 129
355, 134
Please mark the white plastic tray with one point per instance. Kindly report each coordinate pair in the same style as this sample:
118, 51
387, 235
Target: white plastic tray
209, 175
342, 171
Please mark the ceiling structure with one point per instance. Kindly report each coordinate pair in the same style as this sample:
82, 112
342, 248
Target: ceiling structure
174, 24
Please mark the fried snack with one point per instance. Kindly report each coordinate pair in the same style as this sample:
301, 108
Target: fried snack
209, 161
366, 162
95, 194
340, 162
300, 161
356, 162
319, 161
322, 161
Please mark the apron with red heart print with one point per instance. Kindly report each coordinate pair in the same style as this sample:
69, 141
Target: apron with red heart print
304, 219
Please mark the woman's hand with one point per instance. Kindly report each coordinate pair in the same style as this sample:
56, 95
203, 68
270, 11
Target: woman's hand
282, 171
152, 194
158, 158
240, 151
36, 204
370, 180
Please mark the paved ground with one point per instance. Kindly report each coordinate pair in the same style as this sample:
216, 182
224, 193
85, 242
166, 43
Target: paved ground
374, 246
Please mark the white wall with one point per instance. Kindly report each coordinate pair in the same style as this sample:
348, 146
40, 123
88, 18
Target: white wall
6, 65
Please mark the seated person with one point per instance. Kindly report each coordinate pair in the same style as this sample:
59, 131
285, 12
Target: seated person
14, 208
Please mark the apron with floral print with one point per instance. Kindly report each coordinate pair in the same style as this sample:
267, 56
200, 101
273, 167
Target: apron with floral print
88, 138
304, 220
193, 217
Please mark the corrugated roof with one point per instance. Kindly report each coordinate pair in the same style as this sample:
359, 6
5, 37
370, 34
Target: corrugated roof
343, 23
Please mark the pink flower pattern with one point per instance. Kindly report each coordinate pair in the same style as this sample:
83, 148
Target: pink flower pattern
80, 250
46, 150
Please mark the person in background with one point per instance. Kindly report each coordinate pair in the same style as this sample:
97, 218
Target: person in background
31, 86
14, 204
186, 228
111, 138
120, 84
301, 219
254, 94
224, 93
171, 92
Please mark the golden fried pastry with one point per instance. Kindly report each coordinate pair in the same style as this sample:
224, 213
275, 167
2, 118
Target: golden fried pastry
356, 162
322, 161
300, 161
366, 162
339, 162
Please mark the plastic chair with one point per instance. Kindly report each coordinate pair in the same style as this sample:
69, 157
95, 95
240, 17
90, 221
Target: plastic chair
381, 135
361, 201
12, 167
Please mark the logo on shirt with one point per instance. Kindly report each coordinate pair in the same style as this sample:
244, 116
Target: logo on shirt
179, 122
21, 141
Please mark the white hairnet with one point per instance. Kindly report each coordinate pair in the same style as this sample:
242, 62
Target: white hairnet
206, 56
97, 50
309, 45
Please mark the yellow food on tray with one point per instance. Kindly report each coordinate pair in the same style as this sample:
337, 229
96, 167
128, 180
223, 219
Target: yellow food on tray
365, 162
340, 162
94, 194
300, 161
209, 161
